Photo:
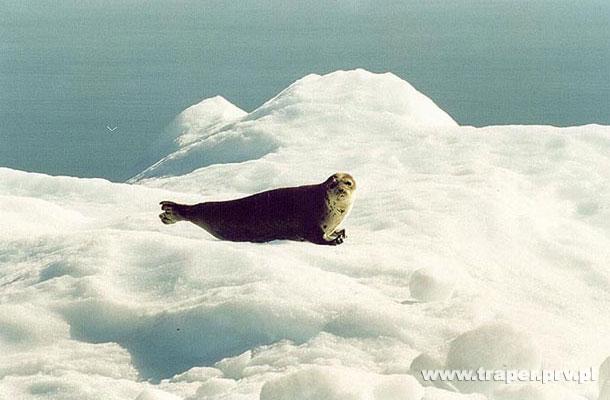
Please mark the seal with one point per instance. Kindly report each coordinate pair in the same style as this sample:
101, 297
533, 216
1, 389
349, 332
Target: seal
304, 213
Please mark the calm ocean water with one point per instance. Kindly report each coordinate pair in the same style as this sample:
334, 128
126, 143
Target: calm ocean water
70, 68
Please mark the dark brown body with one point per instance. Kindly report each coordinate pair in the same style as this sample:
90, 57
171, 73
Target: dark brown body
275, 214
295, 213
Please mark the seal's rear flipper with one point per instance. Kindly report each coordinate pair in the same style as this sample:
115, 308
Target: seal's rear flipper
170, 214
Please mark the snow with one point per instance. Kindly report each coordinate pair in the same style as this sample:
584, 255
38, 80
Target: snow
152, 394
215, 131
202, 119
342, 384
431, 284
491, 347
604, 390
195, 124
465, 246
536, 392
604, 380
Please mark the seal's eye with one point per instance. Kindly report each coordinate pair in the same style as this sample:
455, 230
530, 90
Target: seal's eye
348, 183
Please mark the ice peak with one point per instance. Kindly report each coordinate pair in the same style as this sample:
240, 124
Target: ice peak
361, 90
215, 131
199, 119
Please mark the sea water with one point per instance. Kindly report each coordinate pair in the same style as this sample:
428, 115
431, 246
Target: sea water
87, 86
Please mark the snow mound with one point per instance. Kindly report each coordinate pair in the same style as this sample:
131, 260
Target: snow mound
154, 394
535, 392
203, 119
604, 392
357, 91
604, 380
216, 132
333, 383
195, 124
424, 362
238, 145
431, 284
604, 371
492, 347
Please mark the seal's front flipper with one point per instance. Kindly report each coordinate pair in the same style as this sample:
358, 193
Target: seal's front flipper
318, 237
339, 234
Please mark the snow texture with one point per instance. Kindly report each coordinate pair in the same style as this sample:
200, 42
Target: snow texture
466, 247
491, 347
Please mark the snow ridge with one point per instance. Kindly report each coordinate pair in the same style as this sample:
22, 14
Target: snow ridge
214, 131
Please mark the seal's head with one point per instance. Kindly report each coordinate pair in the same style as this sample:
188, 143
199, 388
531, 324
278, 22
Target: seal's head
340, 185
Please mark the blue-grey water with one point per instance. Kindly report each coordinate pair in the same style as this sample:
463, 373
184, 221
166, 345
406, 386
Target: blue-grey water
70, 68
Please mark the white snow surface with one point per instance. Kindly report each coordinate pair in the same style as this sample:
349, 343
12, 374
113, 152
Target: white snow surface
465, 246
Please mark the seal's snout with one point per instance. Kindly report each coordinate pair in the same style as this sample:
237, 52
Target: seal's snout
341, 183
